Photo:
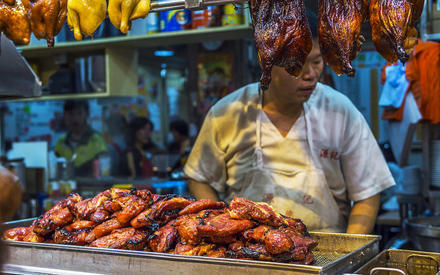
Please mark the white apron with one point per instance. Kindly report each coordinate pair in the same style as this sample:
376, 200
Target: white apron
301, 193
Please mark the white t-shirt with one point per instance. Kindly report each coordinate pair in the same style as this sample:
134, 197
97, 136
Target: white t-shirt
342, 143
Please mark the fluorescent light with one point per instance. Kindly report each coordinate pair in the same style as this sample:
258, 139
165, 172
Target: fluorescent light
163, 53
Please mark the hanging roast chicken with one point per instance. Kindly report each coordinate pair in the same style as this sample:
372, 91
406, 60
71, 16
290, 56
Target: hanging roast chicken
47, 18
392, 27
340, 39
282, 35
122, 12
85, 16
14, 20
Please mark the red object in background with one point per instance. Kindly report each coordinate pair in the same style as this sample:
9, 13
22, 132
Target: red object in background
209, 17
422, 71
147, 168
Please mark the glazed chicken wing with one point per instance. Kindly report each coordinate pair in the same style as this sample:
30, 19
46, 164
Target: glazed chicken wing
122, 12
210, 250
340, 39
275, 242
164, 239
69, 236
17, 234
85, 208
143, 219
241, 208
58, 216
14, 20
47, 18
207, 224
107, 227
282, 36
202, 205
125, 238
131, 206
392, 27
85, 16
100, 215
166, 206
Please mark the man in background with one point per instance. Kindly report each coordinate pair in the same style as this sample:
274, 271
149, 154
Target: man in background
81, 144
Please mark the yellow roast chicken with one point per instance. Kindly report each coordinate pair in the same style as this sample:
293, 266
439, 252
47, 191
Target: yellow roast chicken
121, 12
85, 16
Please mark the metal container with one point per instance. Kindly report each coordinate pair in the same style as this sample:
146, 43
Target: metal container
336, 253
424, 233
399, 261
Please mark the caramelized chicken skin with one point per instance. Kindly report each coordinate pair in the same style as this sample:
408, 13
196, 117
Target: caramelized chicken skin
393, 29
241, 208
17, 234
58, 216
69, 236
107, 227
14, 20
124, 238
131, 206
165, 238
282, 36
202, 205
47, 18
340, 38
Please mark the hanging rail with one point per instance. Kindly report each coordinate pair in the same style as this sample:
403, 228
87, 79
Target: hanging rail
189, 4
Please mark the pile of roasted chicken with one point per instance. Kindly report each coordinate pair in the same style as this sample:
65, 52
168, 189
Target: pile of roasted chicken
140, 220
283, 36
45, 18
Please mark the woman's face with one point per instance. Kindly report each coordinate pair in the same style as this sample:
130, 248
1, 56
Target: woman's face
143, 134
301, 87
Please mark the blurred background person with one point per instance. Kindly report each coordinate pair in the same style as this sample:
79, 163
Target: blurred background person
140, 147
81, 144
116, 125
180, 132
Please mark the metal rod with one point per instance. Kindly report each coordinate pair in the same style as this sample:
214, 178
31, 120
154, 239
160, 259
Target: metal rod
180, 4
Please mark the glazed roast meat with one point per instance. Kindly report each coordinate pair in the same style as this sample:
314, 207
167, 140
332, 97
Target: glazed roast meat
393, 29
47, 18
339, 26
140, 220
282, 36
14, 20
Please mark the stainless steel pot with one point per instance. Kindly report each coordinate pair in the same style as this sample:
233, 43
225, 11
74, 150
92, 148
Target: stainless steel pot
424, 233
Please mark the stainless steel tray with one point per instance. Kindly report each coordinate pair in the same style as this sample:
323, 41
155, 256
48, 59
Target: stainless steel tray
402, 261
335, 254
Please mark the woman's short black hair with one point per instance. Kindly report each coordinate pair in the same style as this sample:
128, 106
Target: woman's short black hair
70, 105
180, 126
134, 125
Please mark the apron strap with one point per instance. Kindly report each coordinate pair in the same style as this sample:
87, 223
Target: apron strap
309, 136
258, 160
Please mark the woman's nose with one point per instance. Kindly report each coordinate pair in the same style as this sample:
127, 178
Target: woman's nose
308, 71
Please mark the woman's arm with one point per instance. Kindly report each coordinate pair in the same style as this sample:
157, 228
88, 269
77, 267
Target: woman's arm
363, 215
130, 163
202, 190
